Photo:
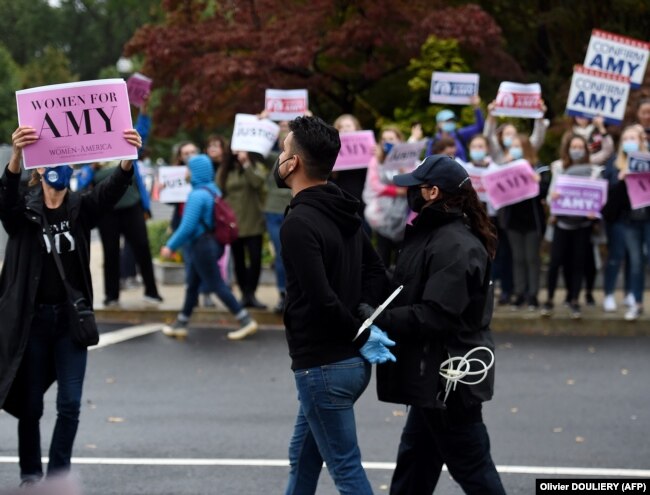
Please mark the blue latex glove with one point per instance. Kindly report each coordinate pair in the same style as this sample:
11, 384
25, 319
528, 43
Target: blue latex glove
375, 350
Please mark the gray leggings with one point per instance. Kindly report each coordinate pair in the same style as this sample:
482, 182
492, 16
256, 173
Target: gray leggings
526, 261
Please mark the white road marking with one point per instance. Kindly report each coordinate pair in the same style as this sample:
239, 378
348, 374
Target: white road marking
123, 334
381, 466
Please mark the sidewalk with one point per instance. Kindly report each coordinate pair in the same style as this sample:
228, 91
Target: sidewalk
133, 310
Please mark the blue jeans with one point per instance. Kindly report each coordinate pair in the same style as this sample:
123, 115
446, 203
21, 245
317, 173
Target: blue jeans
325, 428
615, 256
49, 349
637, 240
187, 254
273, 224
202, 271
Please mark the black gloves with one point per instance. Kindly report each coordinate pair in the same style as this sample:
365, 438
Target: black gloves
365, 311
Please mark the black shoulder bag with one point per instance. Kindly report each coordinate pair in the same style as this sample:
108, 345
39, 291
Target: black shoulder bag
83, 328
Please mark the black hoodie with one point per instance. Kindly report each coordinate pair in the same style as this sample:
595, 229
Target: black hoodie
331, 267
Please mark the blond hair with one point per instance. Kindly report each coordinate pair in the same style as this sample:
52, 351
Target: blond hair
621, 157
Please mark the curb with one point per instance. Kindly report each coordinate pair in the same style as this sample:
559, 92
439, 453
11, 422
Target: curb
590, 325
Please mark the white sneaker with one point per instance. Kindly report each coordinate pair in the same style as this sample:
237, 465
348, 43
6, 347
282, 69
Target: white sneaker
629, 300
177, 330
633, 313
245, 331
609, 303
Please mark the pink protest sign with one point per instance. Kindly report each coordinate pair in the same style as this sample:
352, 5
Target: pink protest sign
519, 100
579, 196
510, 184
76, 122
139, 87
476, 176
357, 149
638, 189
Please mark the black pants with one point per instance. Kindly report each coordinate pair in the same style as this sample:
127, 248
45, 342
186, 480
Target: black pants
569, 250
457, 438
247, 257
387, 250
502, 264
130, 223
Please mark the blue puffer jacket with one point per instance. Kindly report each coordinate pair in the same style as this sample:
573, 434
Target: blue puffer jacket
198, 208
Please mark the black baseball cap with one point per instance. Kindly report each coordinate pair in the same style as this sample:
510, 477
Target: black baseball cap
435, 170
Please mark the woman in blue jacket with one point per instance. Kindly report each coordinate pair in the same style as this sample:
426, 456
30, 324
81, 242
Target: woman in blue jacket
195, 232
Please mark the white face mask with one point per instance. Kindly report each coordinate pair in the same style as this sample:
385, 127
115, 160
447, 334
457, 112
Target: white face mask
577, 155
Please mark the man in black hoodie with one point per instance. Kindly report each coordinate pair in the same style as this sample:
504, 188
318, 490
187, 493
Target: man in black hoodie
331, 268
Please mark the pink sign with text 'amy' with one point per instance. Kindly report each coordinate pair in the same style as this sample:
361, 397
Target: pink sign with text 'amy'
510, 184
638, 189
357, 150
79, 122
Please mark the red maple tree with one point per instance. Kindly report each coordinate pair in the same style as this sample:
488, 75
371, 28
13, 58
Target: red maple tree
211, 58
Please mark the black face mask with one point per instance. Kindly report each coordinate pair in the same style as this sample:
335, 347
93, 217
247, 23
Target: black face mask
414, 198
279, 180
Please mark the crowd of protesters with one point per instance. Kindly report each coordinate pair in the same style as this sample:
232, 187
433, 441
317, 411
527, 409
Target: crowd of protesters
573, 249
471, 242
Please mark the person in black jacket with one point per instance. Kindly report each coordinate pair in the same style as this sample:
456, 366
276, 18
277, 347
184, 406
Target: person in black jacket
35, 343
331, 268
444, 311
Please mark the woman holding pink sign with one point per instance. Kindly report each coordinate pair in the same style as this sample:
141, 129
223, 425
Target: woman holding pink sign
572, 233
524, 224
636, 222
351, 181
36, 344
386, 206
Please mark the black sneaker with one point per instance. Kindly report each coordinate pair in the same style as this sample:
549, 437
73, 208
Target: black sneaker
589, 299
519, 302
574, 311
503, 299
250, 301
533, 304
279, 307
547, 309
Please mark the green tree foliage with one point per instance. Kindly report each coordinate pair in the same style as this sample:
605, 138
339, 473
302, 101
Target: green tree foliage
49, 67
91, 33
435, 55
10, 77
97, 30
27, 27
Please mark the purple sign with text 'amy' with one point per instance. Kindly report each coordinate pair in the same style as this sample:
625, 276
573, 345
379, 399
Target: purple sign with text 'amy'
79, 122
579, 197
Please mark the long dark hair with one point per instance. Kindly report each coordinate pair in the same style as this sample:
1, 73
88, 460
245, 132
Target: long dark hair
477, 219
231, 164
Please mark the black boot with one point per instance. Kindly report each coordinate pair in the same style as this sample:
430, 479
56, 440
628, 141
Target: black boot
279, 307
250, 301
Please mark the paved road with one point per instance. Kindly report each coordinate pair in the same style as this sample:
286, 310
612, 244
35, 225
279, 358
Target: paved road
560, 402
